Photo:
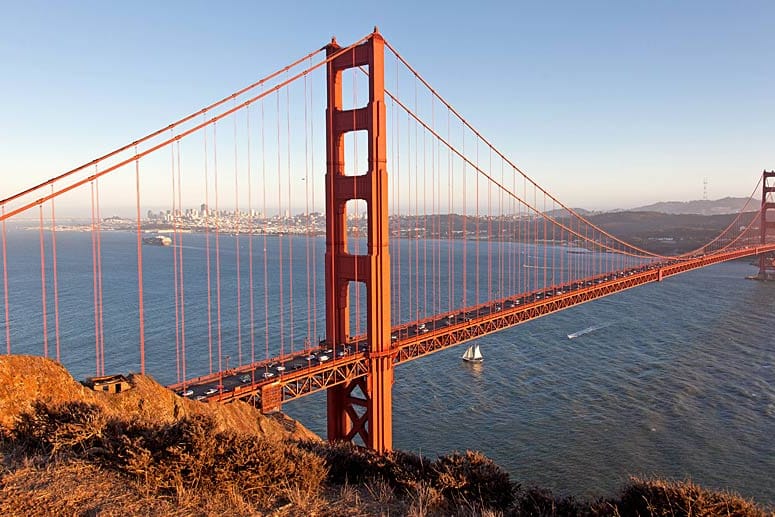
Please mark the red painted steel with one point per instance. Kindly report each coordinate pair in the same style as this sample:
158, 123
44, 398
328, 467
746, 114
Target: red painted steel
359, 407
767, 260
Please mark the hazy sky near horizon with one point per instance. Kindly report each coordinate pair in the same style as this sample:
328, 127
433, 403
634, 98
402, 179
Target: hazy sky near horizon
607, 104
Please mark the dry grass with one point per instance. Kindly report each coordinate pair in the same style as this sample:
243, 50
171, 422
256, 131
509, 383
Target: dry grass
423, 501
348, 494
381, 491
78, 488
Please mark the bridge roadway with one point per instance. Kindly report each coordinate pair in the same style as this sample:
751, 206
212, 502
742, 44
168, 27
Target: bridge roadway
270, 383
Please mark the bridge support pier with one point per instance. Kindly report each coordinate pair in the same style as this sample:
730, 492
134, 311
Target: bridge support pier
767, 227
363, 407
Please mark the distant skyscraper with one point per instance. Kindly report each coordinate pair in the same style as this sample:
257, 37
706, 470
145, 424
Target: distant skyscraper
203, 209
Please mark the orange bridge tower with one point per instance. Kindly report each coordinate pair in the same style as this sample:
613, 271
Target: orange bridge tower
766, 225
363, 406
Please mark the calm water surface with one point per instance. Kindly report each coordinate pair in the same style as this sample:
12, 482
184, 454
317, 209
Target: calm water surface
677, 380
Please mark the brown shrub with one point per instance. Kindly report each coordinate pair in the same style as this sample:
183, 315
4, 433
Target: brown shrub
192, 455
656, 497
51, 429
347, 462
469, 479
541, 502
473, 479
640, 498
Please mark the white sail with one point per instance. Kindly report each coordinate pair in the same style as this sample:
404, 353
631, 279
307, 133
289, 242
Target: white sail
473, 353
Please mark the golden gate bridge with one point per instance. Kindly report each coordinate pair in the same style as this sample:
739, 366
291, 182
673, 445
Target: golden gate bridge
433, 237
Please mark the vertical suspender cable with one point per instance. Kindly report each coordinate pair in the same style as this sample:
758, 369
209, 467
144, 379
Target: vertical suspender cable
280, 236
237, 217
314, 210
476, 223
265, 218
250, 244
465, 222
140, 298
450, 268
425, 226
435, 214
503, 281
411, 211
397, 183
545, 241
94, 285
536, 220
526, 274
5, 289
43, 281
208, 221
395, 251
554, 249
217, 248
416, 261
308, 228
179, 250
175, 244
290, 235
54, 270
489, 231
416, 155
99, 275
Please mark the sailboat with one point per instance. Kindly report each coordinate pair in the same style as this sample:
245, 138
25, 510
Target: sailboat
473, 354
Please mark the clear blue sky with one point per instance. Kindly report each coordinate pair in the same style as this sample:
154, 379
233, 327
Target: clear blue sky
606, 104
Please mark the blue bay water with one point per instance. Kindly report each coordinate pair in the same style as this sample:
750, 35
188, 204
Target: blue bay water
677, 380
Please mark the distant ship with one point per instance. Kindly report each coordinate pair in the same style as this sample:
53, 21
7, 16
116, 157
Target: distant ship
157, 240
473, 354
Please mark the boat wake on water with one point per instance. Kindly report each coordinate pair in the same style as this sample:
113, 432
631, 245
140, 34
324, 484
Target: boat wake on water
587, 330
